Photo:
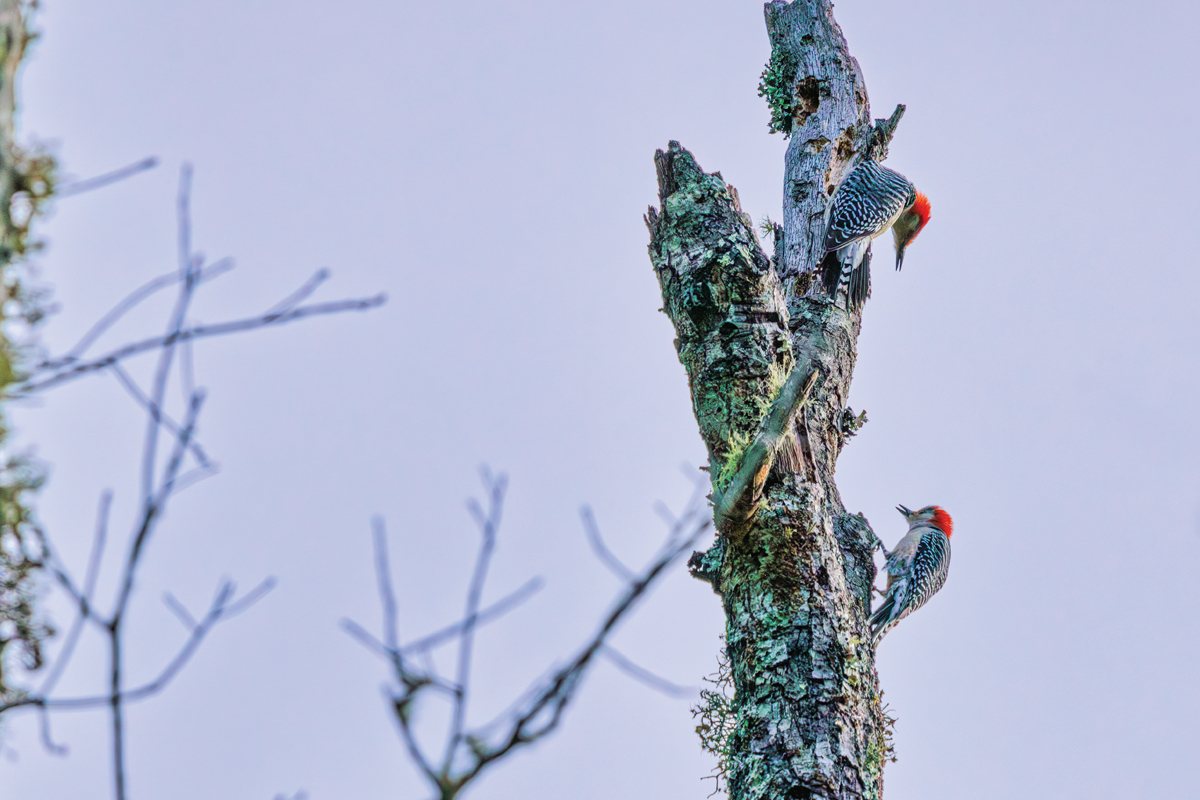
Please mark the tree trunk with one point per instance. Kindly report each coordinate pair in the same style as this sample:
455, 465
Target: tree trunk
769, 360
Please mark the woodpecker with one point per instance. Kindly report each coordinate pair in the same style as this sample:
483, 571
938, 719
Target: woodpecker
870, 200
917, 567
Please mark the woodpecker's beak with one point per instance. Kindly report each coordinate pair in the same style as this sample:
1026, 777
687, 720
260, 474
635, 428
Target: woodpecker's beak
904, 511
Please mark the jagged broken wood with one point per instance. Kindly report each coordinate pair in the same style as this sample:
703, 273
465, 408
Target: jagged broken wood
794, 569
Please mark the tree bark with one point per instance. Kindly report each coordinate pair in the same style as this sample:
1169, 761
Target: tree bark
769, 360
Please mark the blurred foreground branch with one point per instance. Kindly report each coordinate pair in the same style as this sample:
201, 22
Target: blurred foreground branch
538, 711
172, 460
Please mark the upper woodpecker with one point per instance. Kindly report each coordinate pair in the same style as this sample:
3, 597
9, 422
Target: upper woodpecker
917, 567
870, 200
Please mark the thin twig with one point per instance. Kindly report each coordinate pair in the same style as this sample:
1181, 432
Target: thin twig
84, 598
135, 391
219, 610
144, 291
30, 387
151, 509
383, 579
100, 181
543, 713
540, 708
48, 739
488, 527
310, 286
601, 550
486, 615
644, 675
181, 613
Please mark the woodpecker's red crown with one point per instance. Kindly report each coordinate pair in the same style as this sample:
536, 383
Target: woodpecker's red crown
942, 520
920, 207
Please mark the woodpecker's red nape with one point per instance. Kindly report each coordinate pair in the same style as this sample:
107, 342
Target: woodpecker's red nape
941, 519
921, 208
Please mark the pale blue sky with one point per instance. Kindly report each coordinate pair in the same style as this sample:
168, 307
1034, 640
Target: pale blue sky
1033, 370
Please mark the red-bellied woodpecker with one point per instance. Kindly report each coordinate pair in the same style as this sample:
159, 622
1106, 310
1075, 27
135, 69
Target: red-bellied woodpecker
870, 200
917, 567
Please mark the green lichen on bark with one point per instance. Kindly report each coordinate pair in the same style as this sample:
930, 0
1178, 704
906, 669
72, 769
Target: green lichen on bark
731, 318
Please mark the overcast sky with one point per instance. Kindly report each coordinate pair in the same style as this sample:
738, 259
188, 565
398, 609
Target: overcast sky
1033, 369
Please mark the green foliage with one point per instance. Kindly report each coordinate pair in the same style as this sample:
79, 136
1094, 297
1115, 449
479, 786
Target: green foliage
33, 176
22, 555
775, 84
717, 713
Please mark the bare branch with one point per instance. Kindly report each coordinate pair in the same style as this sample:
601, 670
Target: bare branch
601, 550
251, 597
162, 472
187, 372
364, 638
120, 309
48, 739
489, 524
189, 266
219, 610
540, 708
383, 579
543, 713
181, 613
292, 300
644, 675
155, 501
442, 636
402, 705
30, 387
83, 599
494, 611
193, 476
135, 391
108, 178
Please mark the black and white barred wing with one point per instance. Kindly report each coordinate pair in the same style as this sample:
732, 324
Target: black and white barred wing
931, 565
865, 202
925, 575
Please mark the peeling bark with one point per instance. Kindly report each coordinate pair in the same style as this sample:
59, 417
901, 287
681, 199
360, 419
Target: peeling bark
793, 568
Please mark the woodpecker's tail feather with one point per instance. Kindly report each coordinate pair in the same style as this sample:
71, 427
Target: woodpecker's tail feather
860, 284
880, 622
831, 273
849, 267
